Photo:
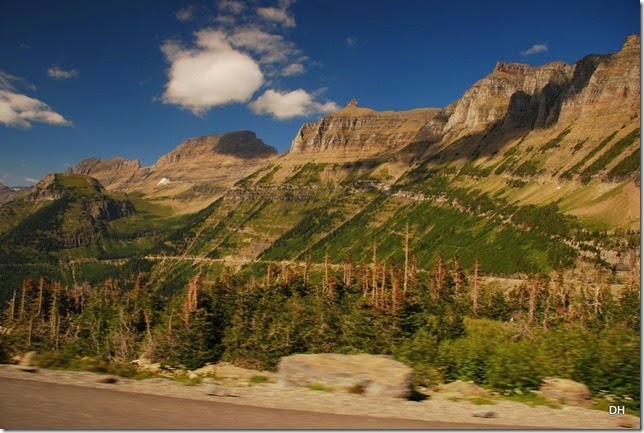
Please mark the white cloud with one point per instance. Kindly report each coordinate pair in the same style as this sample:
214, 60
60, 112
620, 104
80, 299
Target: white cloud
535, 49
293, 69
270, 47
278, 15
210, 74
352, 41
18, 110
7, 81
60, 74
286, 105
231, 6
186, 13
31, 180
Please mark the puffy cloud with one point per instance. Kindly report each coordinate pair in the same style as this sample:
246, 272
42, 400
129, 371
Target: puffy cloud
18, 110
535, 49
186, 13
31, 179
278, 15
210, 74
286, 105
293, 69
60, 74
352, 41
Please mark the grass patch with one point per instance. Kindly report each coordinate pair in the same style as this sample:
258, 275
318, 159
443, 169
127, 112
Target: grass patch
531, 399
481, 400
187, 380
604, 406
318, 387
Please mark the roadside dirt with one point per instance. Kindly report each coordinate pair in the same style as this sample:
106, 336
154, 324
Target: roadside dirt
438, 407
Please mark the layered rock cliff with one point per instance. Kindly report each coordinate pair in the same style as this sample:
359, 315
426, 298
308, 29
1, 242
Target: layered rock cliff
354, 132
116, 173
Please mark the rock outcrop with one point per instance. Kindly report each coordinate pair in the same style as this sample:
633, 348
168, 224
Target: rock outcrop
566, 391
373, 375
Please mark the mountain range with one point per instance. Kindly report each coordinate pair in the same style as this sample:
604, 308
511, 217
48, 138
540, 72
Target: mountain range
532, 169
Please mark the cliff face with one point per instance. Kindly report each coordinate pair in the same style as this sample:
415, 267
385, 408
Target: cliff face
116, 173
354, 132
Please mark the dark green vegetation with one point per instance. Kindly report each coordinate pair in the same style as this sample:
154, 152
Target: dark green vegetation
446, 324
608, 156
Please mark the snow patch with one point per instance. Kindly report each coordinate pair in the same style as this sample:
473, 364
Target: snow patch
163, 181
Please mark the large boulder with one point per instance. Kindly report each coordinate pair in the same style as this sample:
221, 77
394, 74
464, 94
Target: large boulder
566, 391
29, 359
372, 375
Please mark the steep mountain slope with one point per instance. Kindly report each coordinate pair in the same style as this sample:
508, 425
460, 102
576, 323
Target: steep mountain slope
191, 176
522, 171
533, 169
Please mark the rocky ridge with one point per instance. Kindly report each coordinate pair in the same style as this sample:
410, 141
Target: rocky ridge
513, 95
199, 169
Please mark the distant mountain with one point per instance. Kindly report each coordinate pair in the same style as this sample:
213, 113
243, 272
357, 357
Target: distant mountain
9, 193
198, 171
518, 171
532, 169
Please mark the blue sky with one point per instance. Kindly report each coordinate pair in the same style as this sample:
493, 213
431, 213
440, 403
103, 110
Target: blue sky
135, 78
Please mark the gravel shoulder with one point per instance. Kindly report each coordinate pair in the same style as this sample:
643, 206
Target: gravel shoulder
439, 406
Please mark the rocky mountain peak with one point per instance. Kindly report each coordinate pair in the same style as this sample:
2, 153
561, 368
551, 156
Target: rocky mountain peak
241, 144
54, 186
632, 43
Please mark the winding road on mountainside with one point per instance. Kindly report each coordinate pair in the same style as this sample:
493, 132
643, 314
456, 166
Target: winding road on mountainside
26, 404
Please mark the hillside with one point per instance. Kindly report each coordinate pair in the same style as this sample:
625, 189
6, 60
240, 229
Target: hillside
532, 169
527, 171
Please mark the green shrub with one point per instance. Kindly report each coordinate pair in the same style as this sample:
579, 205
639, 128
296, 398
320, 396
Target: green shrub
258, 379
512, 366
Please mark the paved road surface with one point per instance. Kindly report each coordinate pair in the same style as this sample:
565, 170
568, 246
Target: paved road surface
33, 405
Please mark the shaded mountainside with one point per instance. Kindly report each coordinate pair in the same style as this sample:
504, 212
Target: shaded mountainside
63, 211
533, 169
